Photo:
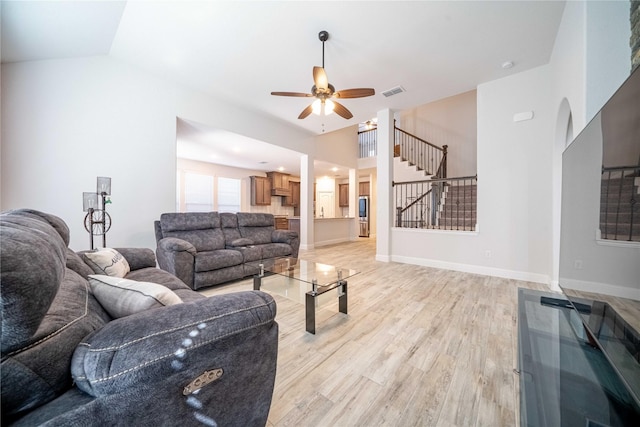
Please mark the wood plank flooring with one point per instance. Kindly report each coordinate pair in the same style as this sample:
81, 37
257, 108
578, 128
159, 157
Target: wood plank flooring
419, 347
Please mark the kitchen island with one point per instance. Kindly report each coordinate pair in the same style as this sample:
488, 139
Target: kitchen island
328, 231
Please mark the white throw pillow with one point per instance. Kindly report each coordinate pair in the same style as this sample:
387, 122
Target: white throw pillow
122, 297
107, 261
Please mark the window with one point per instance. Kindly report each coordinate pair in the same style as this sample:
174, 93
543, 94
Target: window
198, 192
228, 195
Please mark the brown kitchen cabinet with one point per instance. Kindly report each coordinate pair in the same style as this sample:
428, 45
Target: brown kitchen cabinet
343, 193
363, 188
282, 223
279, 183
260, 191
293, 200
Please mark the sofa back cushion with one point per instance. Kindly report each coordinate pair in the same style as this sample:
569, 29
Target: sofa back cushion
201, 229
47, 309
33, 258
229, 222
256, 226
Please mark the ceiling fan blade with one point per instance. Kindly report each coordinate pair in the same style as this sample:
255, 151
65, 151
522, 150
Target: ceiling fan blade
355, 93
291, 94
341, 110
320, 78
306, 112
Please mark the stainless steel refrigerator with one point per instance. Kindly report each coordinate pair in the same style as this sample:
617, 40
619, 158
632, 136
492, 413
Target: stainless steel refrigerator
363, 213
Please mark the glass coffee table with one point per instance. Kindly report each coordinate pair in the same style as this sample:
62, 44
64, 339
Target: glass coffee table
303, 281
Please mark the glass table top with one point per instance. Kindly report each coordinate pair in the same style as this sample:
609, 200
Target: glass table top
324, 275
295, 278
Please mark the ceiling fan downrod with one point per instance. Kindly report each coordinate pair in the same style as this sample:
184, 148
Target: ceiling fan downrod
323, 36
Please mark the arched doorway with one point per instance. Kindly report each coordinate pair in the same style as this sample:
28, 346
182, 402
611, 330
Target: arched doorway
563, 137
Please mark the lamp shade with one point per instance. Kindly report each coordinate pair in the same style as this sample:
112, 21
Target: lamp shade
104, 185
89, 201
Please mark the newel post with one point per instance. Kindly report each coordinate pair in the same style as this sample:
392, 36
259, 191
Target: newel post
444, 161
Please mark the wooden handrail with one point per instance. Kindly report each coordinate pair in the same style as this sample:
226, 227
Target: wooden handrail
418, 138
460, 178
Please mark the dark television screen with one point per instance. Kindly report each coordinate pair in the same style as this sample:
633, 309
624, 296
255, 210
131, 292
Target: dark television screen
600, 230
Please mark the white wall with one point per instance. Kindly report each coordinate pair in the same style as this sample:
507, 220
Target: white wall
513, 181
518, 163
608, 57
452, 122
339, 147
67, 121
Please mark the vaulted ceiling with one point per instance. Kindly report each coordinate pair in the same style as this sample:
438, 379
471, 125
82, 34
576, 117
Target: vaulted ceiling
240, 51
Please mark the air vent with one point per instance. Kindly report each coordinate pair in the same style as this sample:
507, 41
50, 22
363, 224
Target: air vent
393, 91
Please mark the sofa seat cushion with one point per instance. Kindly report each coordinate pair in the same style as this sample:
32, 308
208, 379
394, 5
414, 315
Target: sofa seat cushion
213, 260
250, 253
272, 250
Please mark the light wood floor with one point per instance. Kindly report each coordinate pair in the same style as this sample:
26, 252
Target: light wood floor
419, 347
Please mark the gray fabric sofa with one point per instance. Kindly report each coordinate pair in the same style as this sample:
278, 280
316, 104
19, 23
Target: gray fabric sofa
208, 248
67, 362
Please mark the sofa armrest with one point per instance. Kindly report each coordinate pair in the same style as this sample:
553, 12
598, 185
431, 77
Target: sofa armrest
289, 237
283, 236
161, 351
138, 258
177, 256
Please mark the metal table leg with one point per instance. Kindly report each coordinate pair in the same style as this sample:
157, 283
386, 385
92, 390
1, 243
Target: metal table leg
342, 297
310, 312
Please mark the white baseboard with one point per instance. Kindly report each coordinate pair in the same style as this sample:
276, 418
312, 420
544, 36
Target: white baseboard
331, 242
601, 288
475, 269
383, 258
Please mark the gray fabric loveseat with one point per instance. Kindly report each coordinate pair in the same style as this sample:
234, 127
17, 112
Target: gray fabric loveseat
66, 361
208, 248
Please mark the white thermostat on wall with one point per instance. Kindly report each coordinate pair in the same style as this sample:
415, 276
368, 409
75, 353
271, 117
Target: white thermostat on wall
525, 115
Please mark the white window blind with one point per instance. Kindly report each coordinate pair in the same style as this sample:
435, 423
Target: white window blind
228, 195
198, 192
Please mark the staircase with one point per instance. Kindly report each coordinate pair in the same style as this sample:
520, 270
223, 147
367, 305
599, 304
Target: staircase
619, 204
459, 210
424, 196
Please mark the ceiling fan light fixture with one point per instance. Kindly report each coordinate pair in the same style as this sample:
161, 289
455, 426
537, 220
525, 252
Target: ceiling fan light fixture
317, 107
323, 107
328, 107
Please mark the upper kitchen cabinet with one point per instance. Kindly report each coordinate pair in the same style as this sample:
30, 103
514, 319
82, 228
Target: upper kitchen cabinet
279, 184
364, 189
260, 191
343, 199
294, 198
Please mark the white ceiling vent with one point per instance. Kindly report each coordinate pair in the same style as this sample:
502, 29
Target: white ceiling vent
393, 91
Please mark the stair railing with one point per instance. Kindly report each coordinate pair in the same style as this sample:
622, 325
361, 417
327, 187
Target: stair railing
420, 153
368, 143
619, 212
438, 203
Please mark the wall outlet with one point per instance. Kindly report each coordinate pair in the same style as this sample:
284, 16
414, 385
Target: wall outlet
577, 264
488, 254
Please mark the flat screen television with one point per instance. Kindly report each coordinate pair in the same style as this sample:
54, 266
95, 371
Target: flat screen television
600, 230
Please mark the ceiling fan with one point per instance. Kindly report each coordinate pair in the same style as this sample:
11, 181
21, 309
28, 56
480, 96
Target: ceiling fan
325, 93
